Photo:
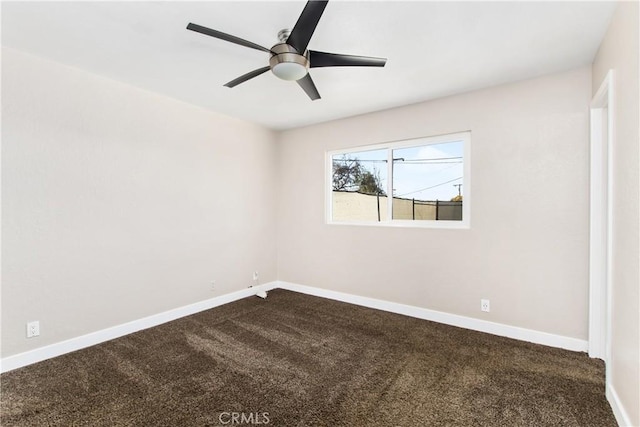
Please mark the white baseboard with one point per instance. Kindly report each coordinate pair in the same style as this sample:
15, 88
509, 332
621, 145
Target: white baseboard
500, 329
622, 417
39, 354
47, 352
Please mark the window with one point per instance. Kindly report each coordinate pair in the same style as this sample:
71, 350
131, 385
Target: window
421, 182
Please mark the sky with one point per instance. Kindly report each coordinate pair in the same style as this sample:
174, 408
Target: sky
427, 172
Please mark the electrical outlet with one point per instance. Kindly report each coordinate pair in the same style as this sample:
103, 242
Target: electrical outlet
212, 287
33, 329
484, 305
255, 275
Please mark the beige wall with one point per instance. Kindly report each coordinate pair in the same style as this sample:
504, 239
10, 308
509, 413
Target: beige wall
359, 207
529, 141
118, 203
619, 51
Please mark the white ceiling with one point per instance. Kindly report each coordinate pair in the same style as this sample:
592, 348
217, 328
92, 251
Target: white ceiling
434, 49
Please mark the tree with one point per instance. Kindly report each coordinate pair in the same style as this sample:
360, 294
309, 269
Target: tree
370, 183
350, 175
347, 172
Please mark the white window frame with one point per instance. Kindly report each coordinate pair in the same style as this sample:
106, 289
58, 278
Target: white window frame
465, 223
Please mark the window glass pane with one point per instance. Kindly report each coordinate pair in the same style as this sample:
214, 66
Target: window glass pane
427, 182
359, 186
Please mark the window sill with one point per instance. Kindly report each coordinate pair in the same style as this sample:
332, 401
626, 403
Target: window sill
447, 225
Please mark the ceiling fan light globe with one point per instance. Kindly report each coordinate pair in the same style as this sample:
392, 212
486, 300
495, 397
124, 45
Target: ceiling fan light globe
289, 71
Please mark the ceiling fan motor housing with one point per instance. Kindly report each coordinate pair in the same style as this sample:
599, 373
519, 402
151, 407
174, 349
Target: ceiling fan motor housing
287, 64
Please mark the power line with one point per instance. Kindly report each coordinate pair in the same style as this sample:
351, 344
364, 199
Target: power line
431, 159
428, 188
429, 162
359, 160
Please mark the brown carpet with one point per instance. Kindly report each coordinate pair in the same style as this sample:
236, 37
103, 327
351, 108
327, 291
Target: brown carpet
297, 360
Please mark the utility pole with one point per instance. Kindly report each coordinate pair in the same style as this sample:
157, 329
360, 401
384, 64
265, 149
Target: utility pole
458, 185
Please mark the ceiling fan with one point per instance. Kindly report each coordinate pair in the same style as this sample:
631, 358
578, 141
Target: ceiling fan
290, 59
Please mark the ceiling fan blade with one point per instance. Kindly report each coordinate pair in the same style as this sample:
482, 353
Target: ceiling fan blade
224, 36
324, 59
306, 25
248, 76
306, 83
